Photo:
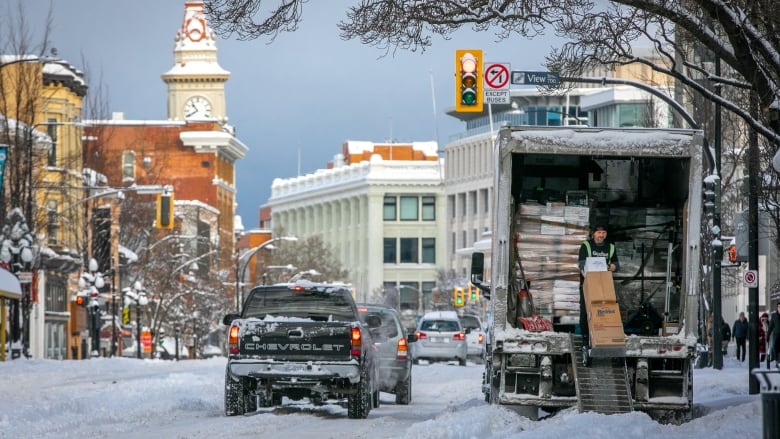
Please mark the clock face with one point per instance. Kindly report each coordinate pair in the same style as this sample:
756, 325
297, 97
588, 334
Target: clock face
197, 107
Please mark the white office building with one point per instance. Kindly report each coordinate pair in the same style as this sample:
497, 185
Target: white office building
379, 207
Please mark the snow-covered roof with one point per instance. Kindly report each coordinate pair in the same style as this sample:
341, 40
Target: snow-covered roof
354, 147
40, 139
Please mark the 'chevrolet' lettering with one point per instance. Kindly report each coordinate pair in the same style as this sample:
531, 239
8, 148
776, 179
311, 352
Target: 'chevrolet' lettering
294, 347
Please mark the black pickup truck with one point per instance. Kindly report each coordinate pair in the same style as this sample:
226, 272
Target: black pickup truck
301, 340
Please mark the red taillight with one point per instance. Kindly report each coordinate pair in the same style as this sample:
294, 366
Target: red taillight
481, 338
403, 350
233, 340
357, 342
459, 336
421, 335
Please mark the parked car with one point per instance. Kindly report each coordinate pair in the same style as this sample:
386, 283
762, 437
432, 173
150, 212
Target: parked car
392, 346
440, 337
475, 336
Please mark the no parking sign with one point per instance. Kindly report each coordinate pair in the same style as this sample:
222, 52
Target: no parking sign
750, 279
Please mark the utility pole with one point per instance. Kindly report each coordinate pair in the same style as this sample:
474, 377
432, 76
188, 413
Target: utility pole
717, 246
753, 182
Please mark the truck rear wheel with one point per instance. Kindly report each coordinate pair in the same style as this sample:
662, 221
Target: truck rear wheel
238, 400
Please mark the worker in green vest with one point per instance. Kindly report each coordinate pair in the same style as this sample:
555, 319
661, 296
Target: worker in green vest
596, 246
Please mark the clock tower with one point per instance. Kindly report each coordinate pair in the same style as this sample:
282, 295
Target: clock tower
196, 82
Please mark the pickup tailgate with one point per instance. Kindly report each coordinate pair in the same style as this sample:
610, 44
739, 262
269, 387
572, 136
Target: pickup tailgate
285, 340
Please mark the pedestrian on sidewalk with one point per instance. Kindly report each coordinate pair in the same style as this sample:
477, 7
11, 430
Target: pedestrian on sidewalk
740, 333
773, 334
763, 327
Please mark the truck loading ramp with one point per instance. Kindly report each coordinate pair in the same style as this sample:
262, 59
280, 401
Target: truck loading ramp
602, 386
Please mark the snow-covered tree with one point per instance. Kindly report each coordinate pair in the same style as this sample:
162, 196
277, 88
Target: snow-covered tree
742, 33
690, 37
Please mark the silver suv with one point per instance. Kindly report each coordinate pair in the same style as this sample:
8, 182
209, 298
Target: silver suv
392, 346
440, 337
476, 338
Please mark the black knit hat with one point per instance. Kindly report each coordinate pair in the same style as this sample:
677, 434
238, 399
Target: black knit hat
599, 226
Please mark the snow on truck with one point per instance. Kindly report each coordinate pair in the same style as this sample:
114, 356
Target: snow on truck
551, 186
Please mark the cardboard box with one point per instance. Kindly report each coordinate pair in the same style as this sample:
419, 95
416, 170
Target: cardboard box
670, 329
604, 320
599, 287
606, 326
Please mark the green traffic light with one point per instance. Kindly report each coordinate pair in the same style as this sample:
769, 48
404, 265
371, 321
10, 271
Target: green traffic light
468, 97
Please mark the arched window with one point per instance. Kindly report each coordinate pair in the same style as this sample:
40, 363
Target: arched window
128, 166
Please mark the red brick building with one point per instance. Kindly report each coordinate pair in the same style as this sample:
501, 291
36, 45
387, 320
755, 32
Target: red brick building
194, 152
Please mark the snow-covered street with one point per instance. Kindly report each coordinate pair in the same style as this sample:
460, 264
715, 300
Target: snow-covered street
128, 398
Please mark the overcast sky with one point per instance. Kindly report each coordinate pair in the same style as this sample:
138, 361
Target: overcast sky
307, 91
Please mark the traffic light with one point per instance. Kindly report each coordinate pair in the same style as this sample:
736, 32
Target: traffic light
458, 297
733, 253
468, 81
712, 194
474, 293
164, 211
81, 300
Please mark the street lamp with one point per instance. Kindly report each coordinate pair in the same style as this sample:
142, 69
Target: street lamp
136, 295
241, 270
90, 283
16, 251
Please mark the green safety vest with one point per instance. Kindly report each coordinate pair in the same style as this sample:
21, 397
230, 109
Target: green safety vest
611, 250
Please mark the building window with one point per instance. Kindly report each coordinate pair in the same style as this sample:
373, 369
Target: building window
409, 252
429, 250
52, 222
429, 208
51, 130
56, 295
389, 209
462, 202
485, 200
427, 293
451, 205
409, 296
409, 209
454, 243
128, 166
390, 252
473, 197
464, 243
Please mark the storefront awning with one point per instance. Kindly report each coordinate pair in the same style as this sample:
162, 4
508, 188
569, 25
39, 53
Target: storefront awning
9, 285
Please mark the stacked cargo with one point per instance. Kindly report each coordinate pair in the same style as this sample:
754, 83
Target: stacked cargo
548, 241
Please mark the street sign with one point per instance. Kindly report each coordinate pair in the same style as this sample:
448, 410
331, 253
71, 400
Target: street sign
535, 78
750, 279
497, 83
